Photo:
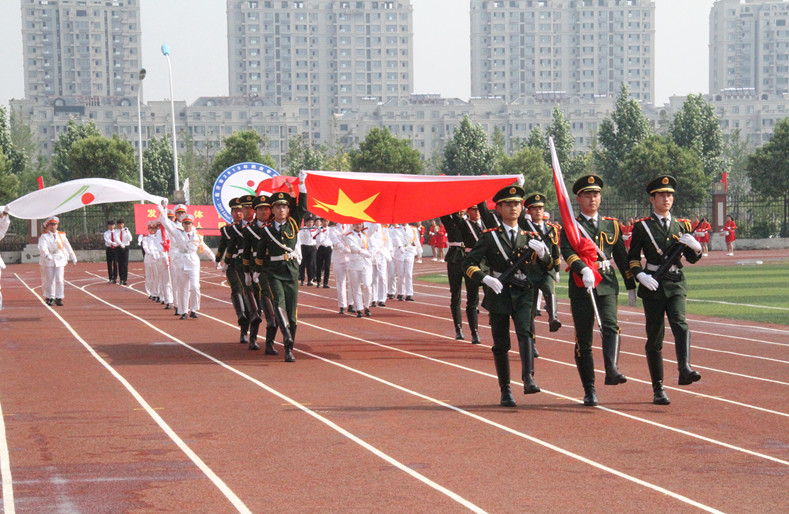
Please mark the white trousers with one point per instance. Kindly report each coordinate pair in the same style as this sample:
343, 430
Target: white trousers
52, 285
380, 279
391, 274
175, 277
187, 293
340, 269
361, 287
164, 286
150, 275
405, 276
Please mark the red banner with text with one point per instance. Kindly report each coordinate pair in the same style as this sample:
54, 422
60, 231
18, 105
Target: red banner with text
207, 220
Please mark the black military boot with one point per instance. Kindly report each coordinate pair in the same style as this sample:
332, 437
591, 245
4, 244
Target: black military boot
244, 339
472, 316
585, 367
271, 333
457, 320
526, 349
553, 315
655, 364
238, 306
291, 334
253, 335
611, 359
682, 346
533, 328
502, 363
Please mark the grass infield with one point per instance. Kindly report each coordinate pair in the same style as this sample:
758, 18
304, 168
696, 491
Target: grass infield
747, 292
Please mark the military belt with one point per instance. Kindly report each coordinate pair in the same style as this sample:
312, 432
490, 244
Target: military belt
456, 244
654, 267
283, 257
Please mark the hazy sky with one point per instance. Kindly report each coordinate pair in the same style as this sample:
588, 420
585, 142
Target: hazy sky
197, 37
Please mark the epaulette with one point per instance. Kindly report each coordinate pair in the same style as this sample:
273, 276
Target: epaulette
490, 230
683, 220
555, 225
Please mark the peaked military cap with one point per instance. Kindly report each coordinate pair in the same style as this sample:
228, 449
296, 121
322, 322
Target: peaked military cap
246, 200
535, 200
261, 200
235, 203
280, 197
588, 183
509, 194
662, 184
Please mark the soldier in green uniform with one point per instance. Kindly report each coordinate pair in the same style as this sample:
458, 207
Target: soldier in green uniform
231, 239
607, 236
543, 279
277, 249
258, 297
499, 248
655, 236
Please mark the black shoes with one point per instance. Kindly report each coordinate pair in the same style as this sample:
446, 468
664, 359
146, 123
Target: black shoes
342, 310
367, 312
590, 397
193, 314
659, 397
270, 350
289, 355
168, 306
50, 301
351, 310
381, 304
554, 325
359, 314
123, 282
390, 296
458, 333
506, 397
183, 316
399, 298
409, 299
326, 286
253, 345
475, 337
59, 303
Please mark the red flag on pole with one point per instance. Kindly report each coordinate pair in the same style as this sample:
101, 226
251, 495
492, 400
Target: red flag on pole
41, 182
585, 248
725, 181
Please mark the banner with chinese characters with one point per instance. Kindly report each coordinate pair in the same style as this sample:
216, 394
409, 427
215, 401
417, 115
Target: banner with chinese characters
207, 220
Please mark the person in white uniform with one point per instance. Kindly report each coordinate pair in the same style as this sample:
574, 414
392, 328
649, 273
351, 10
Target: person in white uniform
339, 262
381, 248
161, 244
55, 252
190, 246
360, 269
404, 256
148, 244
5, 222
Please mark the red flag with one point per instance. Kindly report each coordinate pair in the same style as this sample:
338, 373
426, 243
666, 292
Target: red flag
349, 197
41, 182
585, 248
725, 181
277, 184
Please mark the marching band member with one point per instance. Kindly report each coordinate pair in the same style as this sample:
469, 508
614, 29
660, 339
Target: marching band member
55, 253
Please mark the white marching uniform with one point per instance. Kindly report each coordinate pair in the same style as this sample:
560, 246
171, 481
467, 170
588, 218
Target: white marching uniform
5, 222
339, 262
396, 241
381, 248
188, 246
404, 255
164, 284
147, 243
55, 253
360, 269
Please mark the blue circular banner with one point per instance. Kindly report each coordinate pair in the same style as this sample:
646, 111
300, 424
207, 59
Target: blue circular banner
238, 180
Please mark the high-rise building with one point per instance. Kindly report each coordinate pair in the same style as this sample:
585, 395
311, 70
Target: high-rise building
325, 55
585, 48
88, 48
749, 45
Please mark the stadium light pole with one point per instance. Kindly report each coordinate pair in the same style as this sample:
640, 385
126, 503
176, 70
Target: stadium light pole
176, 196
139, 123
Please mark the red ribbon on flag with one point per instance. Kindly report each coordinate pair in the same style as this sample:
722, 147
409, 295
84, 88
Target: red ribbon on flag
40, 182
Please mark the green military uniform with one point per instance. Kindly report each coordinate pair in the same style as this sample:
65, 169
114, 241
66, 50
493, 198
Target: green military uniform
277, 249
515, 300
231, 239
607, 237
655, 240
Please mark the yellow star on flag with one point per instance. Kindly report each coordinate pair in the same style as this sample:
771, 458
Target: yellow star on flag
346, 207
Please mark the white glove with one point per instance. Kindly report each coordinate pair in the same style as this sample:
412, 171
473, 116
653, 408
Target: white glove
690, 241
521, 180
302, 182
631, 297
256, 277
647, 281
724, 233
50, 257
220, 265
247, 279
538, 247
605, 265
493, 283
557, 277
74, 260
365, 253
588, 275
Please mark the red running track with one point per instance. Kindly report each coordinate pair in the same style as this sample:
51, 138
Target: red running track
112, 404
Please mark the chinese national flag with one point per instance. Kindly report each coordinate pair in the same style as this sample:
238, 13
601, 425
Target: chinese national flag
350, 197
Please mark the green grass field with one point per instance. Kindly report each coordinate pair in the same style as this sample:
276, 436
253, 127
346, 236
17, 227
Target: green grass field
750, 293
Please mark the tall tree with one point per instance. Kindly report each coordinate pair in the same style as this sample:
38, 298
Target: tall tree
736, 151
657, 156
563, 139
468, 152
623, 131
241, 146
768, 166
75, 131
16, 159
536, 139
697, 127
9, 183
382, 152
530, 163
98, 156
157, 162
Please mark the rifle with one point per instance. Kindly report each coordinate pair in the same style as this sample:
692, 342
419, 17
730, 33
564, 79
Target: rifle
523, 255
672, 257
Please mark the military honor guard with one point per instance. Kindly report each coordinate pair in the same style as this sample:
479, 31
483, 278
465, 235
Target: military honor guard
55, 252
606, 235
125, 240
278, 246
360, 269
509, 252
664, 240
544, 279
112, 244
463, 230
5, 222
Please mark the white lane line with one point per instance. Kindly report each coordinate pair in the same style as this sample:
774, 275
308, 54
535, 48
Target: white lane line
5, 470
422, 478
230, 495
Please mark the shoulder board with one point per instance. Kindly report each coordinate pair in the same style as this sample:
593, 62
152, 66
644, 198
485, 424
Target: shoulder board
489, 230
683, 220
609, 218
